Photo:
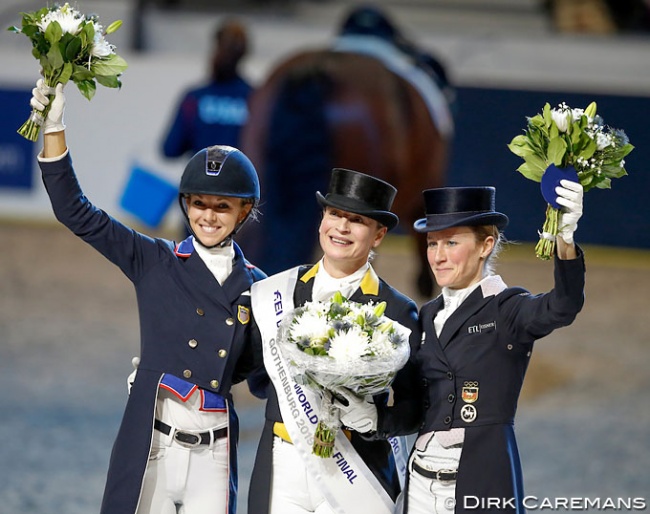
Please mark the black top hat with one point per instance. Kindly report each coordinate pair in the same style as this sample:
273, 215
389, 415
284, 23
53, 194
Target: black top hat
459, 206
356, 192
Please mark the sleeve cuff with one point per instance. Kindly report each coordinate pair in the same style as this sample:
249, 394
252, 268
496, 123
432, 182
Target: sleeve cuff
51, 159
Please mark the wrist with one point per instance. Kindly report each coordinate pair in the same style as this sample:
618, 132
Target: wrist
567, 238
55, 127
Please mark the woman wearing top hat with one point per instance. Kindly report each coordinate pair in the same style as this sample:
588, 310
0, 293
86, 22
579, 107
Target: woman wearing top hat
176, 446
477, 340
364, 475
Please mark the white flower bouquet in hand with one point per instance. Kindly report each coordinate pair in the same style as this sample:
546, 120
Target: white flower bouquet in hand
70, 46
568, 143
342, 344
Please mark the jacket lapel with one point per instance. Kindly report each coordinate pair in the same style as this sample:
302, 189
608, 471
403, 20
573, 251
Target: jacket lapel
203, 280
430, 329
239, 280
304, 285
472, 304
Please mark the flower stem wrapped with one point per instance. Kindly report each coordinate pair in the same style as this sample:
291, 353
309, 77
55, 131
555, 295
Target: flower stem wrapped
327, 428
69, 46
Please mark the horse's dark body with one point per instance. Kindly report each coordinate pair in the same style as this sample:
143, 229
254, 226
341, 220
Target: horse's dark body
323, 109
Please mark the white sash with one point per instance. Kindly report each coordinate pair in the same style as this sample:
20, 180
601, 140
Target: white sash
347, 483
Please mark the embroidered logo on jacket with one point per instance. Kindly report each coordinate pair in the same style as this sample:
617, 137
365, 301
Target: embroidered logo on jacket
482, 327
243, 314
468, 413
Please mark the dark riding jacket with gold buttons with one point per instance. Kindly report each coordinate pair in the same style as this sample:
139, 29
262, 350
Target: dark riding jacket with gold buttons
190, 326
471, 375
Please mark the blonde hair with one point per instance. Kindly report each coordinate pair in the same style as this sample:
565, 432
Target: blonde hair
482, 232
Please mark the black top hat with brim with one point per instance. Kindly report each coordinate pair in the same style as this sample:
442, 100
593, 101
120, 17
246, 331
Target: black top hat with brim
362, 194
459, 206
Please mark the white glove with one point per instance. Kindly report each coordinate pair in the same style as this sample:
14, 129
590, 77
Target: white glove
41, 97
569, 196
131, 378
359, 414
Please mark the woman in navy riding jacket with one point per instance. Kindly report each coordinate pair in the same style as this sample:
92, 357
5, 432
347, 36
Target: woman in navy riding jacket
477, 340
177, 441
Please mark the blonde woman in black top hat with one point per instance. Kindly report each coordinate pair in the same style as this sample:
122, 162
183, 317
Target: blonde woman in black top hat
477, 340
364, 473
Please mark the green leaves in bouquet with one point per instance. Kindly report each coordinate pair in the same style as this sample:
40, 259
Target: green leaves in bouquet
566, 138
532, 147
64, 56
67, 47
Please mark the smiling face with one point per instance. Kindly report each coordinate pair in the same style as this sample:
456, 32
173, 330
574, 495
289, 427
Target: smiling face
457, 257
213, 218
347, 239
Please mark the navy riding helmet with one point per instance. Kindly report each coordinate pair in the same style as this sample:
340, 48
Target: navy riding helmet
219, 170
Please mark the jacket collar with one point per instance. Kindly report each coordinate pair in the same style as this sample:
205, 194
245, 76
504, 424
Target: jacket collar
490, 287
239, 280
369, 283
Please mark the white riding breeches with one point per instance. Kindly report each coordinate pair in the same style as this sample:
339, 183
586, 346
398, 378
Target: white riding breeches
293, 490
181, 478
429, 495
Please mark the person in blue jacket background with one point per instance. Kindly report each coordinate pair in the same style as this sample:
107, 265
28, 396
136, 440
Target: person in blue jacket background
214, 113
176, 446
477, 340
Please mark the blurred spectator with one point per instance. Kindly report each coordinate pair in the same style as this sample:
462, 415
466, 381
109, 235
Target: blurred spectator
599, 16
214, 113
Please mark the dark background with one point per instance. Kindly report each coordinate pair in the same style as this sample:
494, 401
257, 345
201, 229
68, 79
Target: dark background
487, 121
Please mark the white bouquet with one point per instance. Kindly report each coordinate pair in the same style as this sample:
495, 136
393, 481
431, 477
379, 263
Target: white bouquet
69, 46
342, 344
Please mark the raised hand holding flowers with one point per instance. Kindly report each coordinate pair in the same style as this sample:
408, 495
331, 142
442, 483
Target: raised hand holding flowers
567, 143
69, 46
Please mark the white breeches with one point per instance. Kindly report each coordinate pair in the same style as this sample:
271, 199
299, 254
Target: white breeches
293, 490
428, 495
182, 480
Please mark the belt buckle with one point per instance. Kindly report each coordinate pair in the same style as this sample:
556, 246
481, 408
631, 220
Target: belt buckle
445, 472
191, 440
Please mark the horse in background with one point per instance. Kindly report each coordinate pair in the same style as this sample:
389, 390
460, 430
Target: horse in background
326, 108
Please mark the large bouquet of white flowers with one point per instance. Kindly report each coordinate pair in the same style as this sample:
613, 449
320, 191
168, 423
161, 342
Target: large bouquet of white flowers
69, 46
568, 143
342, 344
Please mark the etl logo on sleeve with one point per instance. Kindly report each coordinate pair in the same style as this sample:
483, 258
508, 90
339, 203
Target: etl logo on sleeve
16, 152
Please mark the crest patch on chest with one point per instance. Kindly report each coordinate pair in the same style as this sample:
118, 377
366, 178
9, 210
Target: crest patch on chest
243, 314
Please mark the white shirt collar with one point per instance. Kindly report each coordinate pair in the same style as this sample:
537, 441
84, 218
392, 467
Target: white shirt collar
325, 285
218, 259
